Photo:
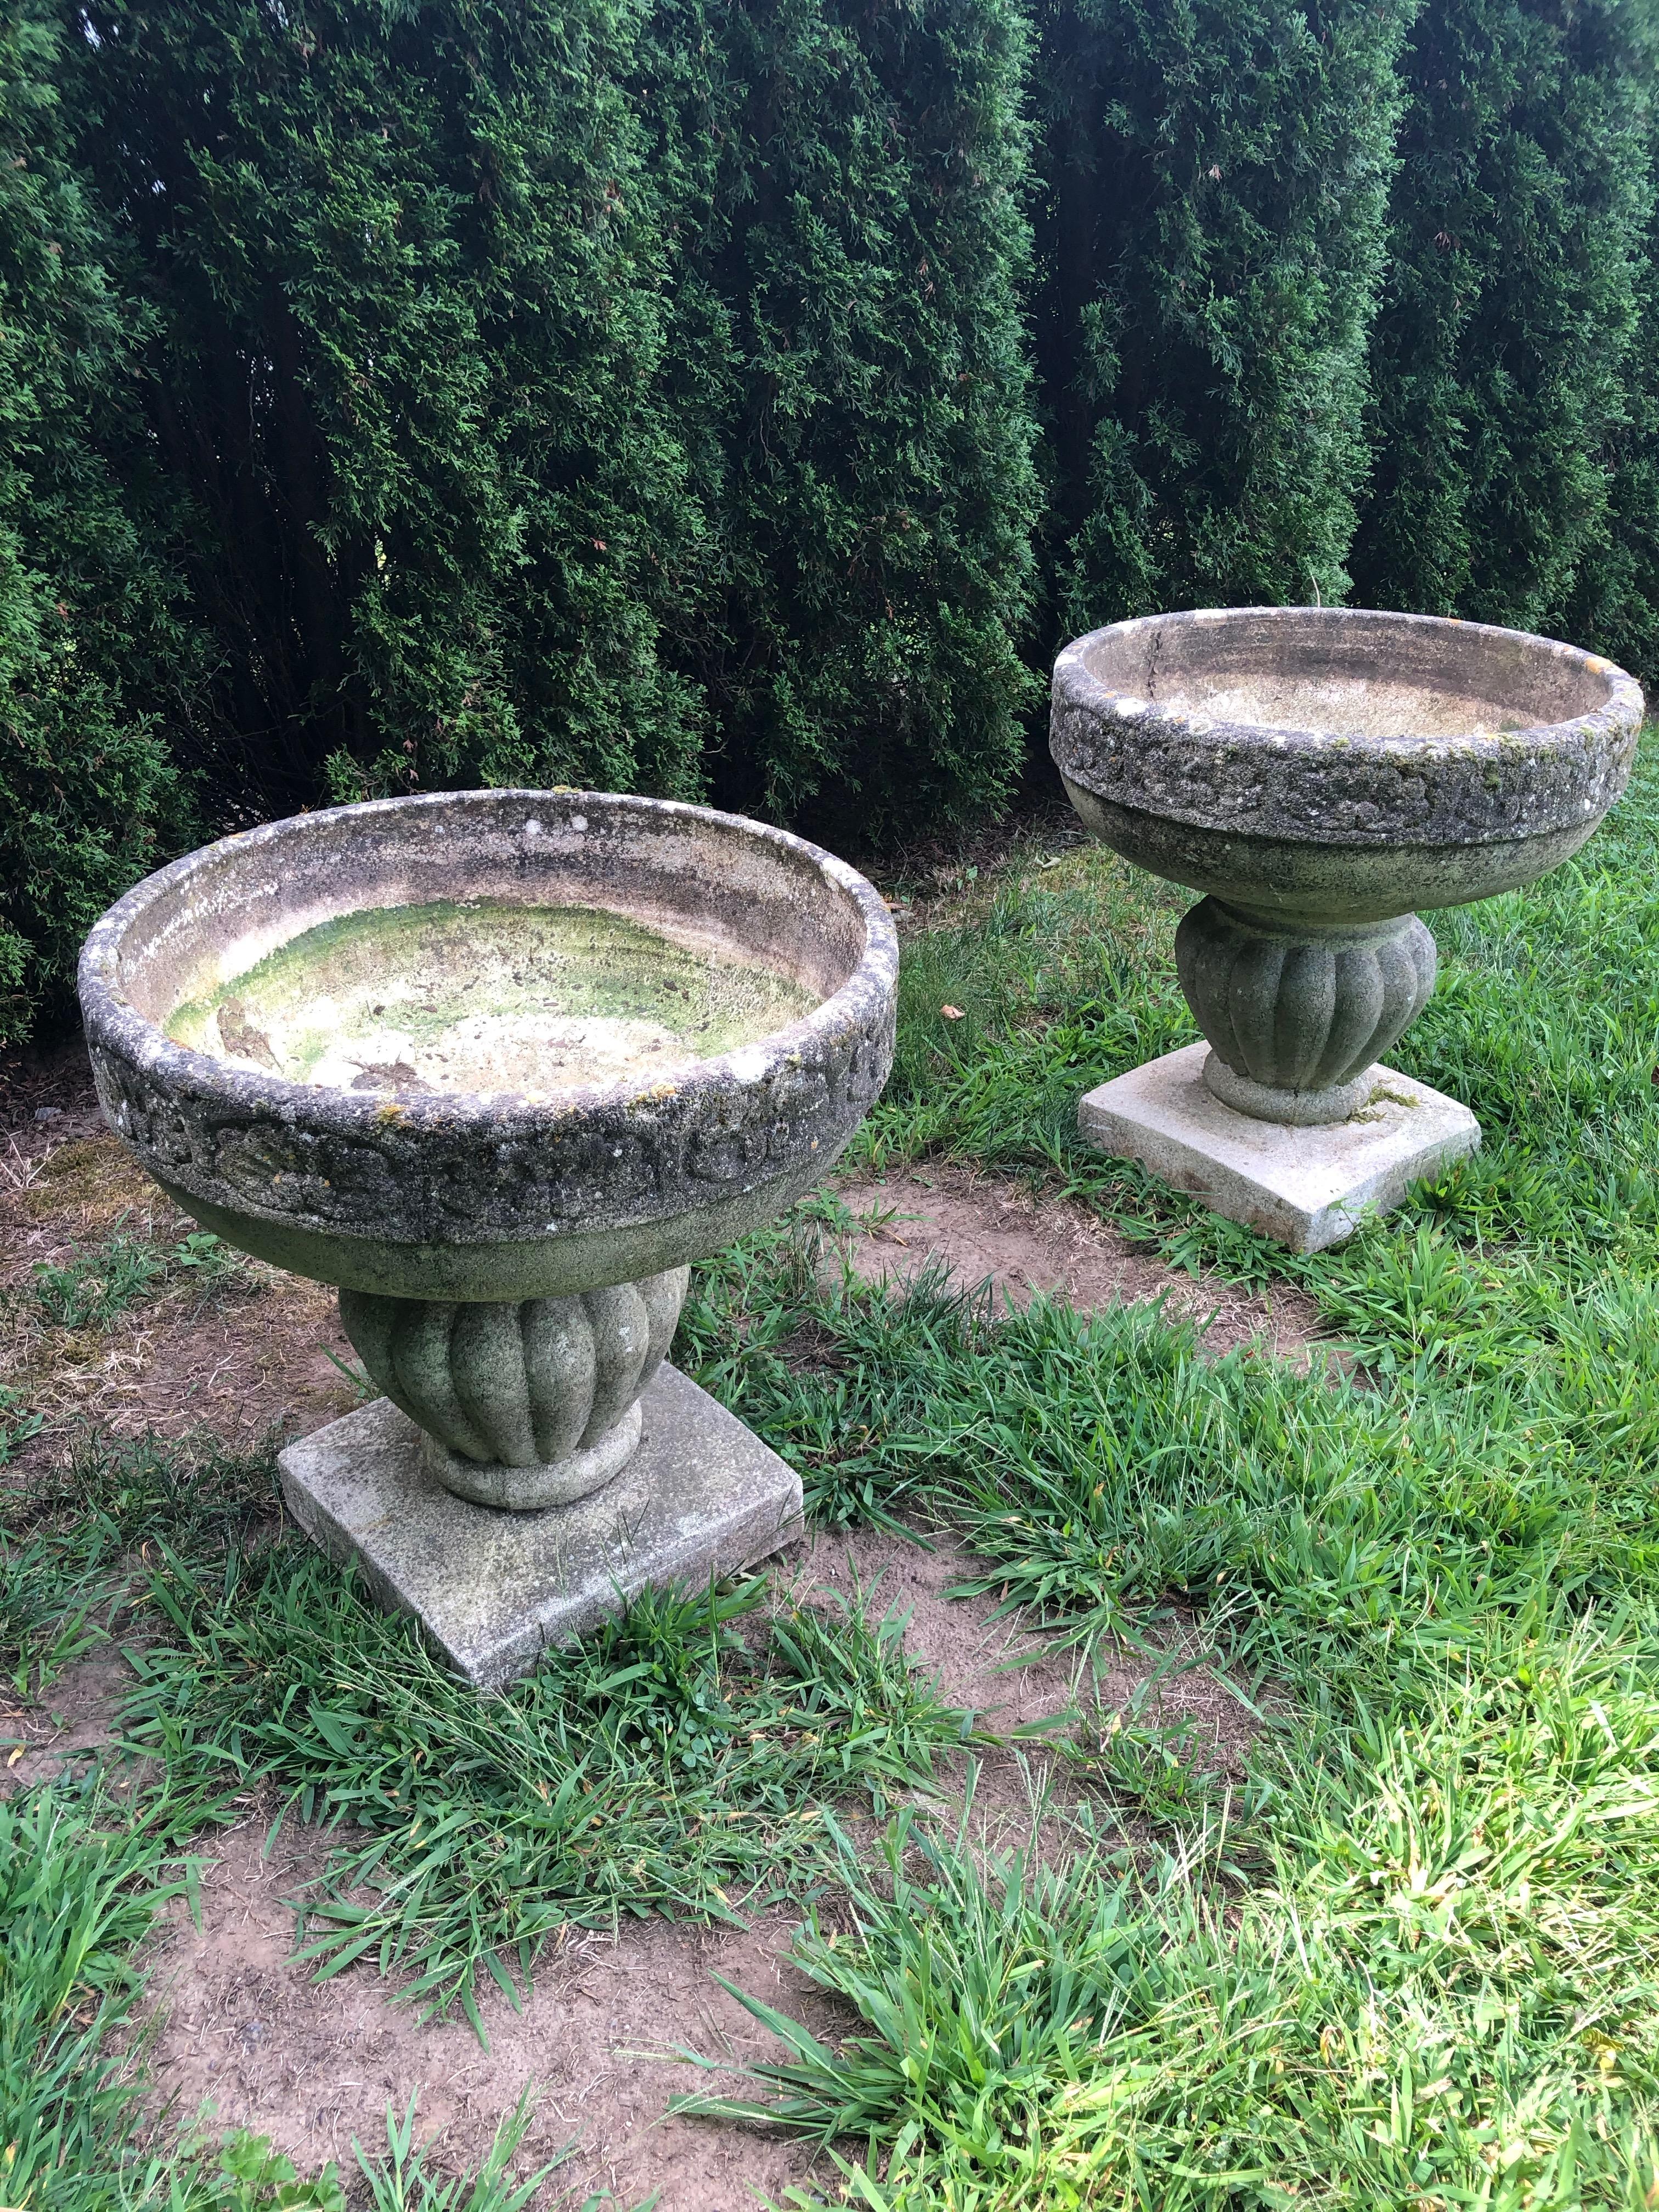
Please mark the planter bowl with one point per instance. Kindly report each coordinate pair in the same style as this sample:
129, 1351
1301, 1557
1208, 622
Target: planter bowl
1319, 773
511, 1261
456, 1195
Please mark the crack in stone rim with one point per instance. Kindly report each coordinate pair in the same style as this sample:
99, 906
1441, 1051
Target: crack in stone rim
114, 1026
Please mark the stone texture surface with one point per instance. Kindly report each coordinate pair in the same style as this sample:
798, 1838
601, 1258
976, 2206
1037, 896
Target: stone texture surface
1450, 761
1320, 772
1428, 732
514, 1395
1297, 1015
1307, 1188
452, 1196
701, 1495
543, 1482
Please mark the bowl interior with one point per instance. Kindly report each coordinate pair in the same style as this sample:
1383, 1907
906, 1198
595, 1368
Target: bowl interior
1349, 673
490, 943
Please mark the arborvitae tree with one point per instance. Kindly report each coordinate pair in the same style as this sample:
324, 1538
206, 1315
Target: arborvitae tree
1210, 243
1510, 307
1614, 606
636, 391
851, 247
530, 439
404, 269
92, 651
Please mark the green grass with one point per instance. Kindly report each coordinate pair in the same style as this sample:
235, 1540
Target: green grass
94, 1286
1438, 1989
1411, 1960
1414, 1963
76, 1898
1546, 1017
673, 1762
81, 1880
74, 1543
670, 1764
682, 1761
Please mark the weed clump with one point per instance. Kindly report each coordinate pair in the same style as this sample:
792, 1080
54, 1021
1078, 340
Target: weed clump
93, 1287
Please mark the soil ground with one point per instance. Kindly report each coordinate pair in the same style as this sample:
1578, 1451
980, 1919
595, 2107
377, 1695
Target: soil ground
235, 2023
248, 1358
314, 2066
985, 1228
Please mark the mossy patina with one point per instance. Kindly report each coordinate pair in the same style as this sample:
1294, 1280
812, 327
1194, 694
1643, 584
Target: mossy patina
499, 1063
487, 997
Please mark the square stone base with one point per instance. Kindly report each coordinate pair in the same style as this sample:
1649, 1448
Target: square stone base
1306, 1187
702, 1496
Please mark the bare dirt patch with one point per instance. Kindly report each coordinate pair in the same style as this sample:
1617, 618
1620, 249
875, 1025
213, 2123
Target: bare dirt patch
66, 1729
249, 1355
248, 1358
996, 1670
313, 2066
984, 1228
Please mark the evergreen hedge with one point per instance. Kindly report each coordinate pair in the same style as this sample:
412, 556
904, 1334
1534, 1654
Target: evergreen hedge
97, 655
577, 394
742, 400
1211, 239
403, 276
853, 252
1498, 359
1615, 598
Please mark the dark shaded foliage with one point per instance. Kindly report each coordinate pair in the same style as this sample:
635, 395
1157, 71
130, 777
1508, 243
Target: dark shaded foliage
1212, 239
742, 402
565, 392
848, 303
402, 272
1498, 359
1615, 599
97, 657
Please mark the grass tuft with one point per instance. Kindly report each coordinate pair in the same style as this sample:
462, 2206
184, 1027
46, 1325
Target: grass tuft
671, 1764
96, 1286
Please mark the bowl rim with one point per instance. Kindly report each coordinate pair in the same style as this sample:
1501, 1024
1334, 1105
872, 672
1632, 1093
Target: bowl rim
115, 1026
1624, 705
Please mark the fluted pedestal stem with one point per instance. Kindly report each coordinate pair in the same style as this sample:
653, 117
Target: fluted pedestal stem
1298, 1012
526, 1403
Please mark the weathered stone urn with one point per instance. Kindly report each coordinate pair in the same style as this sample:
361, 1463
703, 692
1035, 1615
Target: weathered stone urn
500, 1064
1319, 774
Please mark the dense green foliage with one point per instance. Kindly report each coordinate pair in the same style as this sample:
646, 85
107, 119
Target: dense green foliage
846, 304
742, 402
1616, 599
1516, 245
403, 276
1212, 233
95, 663
578, 395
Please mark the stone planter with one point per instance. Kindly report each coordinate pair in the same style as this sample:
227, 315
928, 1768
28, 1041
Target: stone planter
1320, 774
499, 1065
